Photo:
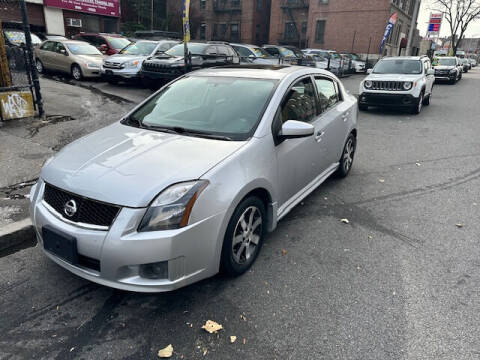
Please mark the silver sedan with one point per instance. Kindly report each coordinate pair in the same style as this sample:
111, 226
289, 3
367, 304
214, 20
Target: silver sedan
191, 180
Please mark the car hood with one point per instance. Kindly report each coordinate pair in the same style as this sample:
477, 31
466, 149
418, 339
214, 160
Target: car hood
91, 58
129, 166
122, 58
165, 59
393, 77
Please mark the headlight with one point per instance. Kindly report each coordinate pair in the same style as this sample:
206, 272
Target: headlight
453, 71
367, 84
407, 85
92, 65
171, 209
131, 64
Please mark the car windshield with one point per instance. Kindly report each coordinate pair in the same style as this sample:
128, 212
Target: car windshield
446, 62
221, 106
259, 52
354, 57
398, 67
143, 48
178, 50
118, 43
83, 49
18, 37
286, 52
334, 55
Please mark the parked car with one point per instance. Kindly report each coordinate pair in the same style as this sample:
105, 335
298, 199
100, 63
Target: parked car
77, 58
171, 64
108, 44
473, 62
320, 58
193, 178
448, 68
285, 55
51, 37
254, 54
14, 43
126, 65
405, 82
303, 59
466, 64
358, 65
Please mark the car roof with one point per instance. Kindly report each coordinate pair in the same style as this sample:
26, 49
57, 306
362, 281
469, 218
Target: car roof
403, 58
269, 72
68, 41
245, 45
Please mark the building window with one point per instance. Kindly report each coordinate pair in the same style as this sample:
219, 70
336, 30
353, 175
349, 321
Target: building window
234, 32
320, 31
290, 31
304, 27
203, 4
203, 31
235, 3
323, 2
259, 5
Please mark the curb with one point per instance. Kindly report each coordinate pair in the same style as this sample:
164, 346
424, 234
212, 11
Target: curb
15, 234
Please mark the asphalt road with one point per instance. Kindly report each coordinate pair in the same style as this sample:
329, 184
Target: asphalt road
400, 281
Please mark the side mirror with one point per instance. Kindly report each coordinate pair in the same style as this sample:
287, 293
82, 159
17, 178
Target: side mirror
293, 129
64, 52
103, 48
369, 71
430, 72
252, 56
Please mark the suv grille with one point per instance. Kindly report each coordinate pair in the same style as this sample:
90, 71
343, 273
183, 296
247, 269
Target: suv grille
387, 85
89, 212
112, 65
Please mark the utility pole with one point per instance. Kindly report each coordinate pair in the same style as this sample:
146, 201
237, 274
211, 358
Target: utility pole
413, 27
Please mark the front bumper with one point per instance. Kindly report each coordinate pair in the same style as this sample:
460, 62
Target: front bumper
121, 74
90, 72
386, 99
189, 253
445, 76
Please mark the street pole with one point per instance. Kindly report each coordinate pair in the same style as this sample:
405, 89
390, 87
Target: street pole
31, 63
413, 27
353, 42
151, 16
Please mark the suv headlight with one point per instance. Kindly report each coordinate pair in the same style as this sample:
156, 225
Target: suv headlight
407, 85
92, 65
453, 71
367, 84
172, 207
131, 64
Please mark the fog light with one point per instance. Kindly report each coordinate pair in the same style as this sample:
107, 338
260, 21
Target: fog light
158, 270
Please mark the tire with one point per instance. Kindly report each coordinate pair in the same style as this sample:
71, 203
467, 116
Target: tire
362, 107
426, 101
76, 72
453, 81
241, 236
348, 156
417, 108
39, 66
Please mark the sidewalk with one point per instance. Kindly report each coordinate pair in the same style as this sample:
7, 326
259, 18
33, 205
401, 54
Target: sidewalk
72, 112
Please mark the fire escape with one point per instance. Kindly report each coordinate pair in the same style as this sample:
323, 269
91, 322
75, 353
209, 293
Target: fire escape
229, 12
294, 35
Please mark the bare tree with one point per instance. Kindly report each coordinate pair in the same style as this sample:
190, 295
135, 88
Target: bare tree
459, 14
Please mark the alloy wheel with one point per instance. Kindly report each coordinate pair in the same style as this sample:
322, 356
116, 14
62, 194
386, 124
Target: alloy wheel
348, 155
420, 104
39, 67
246, 236
76, 73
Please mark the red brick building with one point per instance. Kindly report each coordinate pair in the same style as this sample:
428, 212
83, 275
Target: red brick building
342, 25
245, 21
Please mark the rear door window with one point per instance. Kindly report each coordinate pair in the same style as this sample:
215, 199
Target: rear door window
48, 46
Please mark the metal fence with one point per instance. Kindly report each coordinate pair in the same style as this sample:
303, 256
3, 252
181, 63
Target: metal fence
17, 67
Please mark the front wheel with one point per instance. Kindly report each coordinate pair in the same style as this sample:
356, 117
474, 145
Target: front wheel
39, 65
244, 236
417, 108
348, 155
76, 72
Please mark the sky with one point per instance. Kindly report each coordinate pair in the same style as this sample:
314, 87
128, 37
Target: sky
427, 7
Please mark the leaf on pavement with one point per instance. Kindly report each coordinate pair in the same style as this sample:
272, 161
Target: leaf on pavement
233, 339
345, 221
212, 327
166, 352
418, 164
459, 225
284, 252
381, 180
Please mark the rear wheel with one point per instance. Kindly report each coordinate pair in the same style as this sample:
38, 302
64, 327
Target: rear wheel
39, 65
244, 236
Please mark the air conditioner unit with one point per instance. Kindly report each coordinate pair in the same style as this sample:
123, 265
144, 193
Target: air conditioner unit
74, 22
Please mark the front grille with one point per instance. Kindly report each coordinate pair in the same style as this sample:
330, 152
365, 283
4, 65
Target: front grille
387, 85
89, 211
442, 72
112, 65
162, 68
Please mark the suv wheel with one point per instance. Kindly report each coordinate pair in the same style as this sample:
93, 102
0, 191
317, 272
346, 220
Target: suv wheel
76, 72
244, 236
417, 108
426, 101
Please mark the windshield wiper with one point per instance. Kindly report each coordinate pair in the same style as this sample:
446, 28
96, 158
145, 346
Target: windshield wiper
188, 132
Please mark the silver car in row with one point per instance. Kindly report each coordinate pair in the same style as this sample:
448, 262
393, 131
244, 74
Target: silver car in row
192, 179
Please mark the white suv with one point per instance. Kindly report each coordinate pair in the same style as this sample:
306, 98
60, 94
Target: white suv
405, 82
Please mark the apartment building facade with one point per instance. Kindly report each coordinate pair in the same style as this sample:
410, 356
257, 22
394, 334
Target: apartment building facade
343, 25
